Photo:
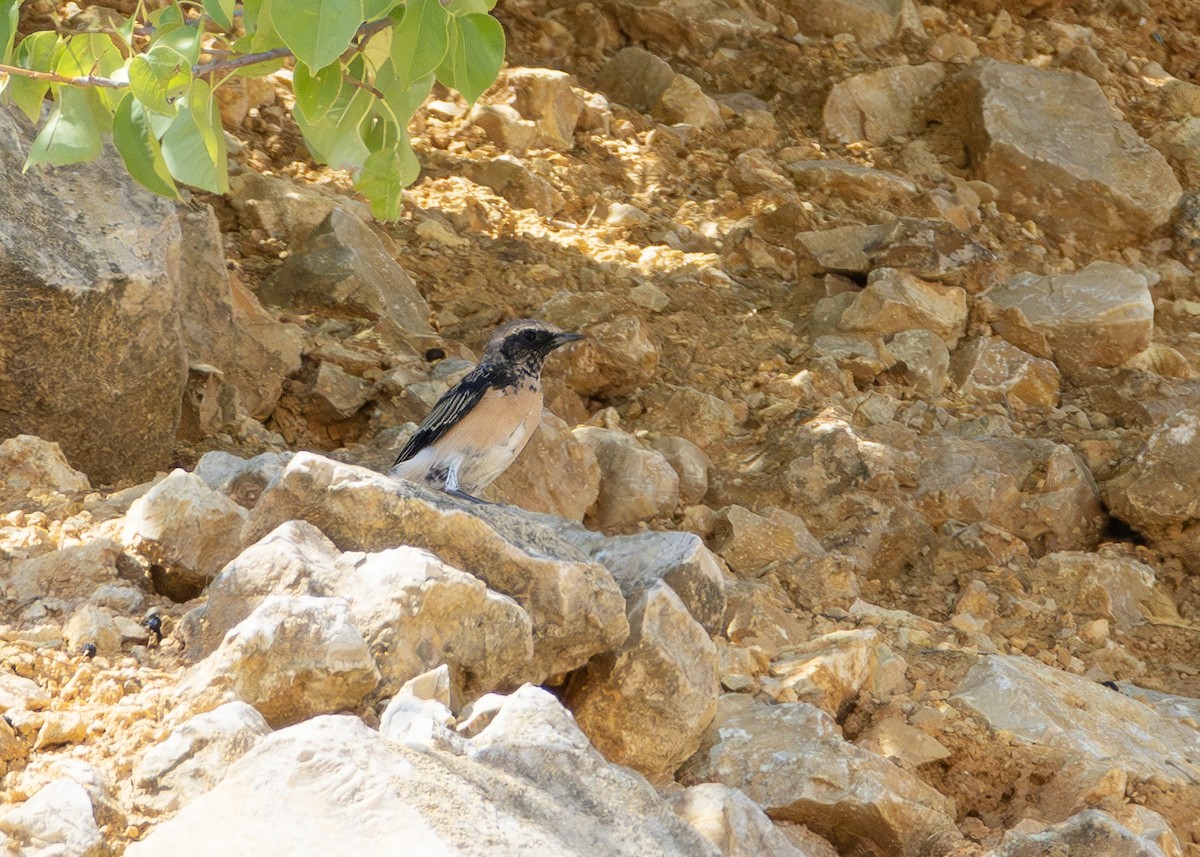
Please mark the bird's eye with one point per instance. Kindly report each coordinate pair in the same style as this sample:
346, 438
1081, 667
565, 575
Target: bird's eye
530, 336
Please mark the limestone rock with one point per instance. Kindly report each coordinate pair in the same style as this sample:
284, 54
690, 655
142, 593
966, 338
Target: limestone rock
871, 22
196, 755
556, 474
735, 824
58, 820
186, 531
345, 264
617, 357
678, 559
287, 210
690, 464
504, 127
829, 670
791, 760
71, 302
240, 479
1103, 585
528, 781
636, 483
922, 361
1096, 728
697, 416
30, 466
576, 607
842, 248
646, 704
672, 26
878, 105
293, 658
71, 573
225, 326
508, 177
750, 542
545, 97
932, 250
1091, 832
1158, 493
1060, 158
1180, 142
93, 625
990, 370
414, 611
894, 301
845, 179
637, 78
1100, 315
895, 738
19, 692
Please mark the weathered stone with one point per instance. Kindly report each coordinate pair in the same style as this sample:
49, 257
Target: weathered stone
1095, 728
294, 657
1103, 585
1090, 833
1158, 494
345, 264
555, 474
58, 820
894, 301
922, 361
71, 573
1180, 142
842, 248
528, 781
990, 370
750, 543
735, 824
791, 760
1060, 158
697, 416
671, 26
683, 102
31, 467
504, 127
19, 692
879, 105
829, 670
844, 179
678, 559
691, 465
225, 326
576, 607
240, 479
636, 482
933, 250
754, 171
1100, 315
895, 738
287, 210
618, 356
92, 625
863, 357
871, 22
196, 755
510, 178
545, 97
641, 80
71, 302
186, 531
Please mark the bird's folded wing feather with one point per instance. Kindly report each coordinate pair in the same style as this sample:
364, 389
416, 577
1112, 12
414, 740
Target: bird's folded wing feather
449, 409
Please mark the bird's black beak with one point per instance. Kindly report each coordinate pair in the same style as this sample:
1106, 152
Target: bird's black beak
561, 339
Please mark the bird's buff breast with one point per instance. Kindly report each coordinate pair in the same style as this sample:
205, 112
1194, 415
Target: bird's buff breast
500, 427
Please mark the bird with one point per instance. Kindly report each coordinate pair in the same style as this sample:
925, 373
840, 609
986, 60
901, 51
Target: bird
481, 424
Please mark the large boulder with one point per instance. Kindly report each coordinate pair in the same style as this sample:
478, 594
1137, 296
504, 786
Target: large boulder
1048, 141
528, 782
91, 354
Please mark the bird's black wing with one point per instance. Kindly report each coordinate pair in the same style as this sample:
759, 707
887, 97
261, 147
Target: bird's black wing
450, 408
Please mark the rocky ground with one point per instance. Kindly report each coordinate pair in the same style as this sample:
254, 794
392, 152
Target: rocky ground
865, 521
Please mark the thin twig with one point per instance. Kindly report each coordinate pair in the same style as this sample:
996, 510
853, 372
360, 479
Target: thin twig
88, 80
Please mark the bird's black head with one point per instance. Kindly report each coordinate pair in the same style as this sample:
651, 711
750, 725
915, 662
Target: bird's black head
526, 342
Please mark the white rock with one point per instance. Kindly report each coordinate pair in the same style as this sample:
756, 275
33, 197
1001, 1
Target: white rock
56, 822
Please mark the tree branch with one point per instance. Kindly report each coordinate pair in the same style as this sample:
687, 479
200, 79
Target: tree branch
88, 80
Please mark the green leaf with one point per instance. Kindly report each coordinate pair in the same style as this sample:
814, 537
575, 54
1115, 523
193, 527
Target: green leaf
335, 139
10, 11
373, 9
420, 39
159, 78
140, 149
194, 145
37, 51
72, 133
403, 100
88, 54
166, 16
184, 39
463, 7
317, 31
475, 55
384, 177
316, 93
221, 11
